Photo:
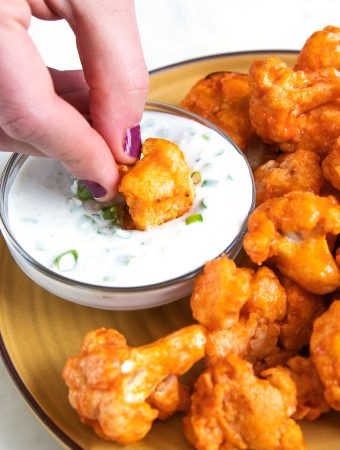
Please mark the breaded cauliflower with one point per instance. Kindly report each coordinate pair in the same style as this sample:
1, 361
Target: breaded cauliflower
331, 166
311, 401
321, 50
302, 309
325, 351
219, 294
233, 409
291, 231
159, 187
295, 110
118, 389
298, 171
223, 98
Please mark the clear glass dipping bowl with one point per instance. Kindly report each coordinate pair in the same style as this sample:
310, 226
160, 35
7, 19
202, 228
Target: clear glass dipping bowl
113, 298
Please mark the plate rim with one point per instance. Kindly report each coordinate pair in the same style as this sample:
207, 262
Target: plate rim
55, 431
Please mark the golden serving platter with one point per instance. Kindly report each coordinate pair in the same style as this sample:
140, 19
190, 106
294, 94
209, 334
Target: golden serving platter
40, 331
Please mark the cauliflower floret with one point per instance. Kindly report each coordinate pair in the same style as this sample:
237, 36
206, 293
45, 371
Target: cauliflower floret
322, 49
325, 351
295, 110
223, 98
233, 409
119, 390
331, 166
292, 231
159, 187
298, 171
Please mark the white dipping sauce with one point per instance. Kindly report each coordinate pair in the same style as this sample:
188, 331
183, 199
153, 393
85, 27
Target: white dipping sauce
47, 219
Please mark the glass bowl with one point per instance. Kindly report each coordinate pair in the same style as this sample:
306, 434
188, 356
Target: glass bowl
102, 296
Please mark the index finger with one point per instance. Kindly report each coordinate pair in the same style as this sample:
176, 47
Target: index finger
113, 62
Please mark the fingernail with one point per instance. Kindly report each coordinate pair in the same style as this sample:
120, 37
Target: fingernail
95, 189
132, 142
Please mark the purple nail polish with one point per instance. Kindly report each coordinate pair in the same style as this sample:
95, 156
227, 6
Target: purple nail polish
95, 189
132, 141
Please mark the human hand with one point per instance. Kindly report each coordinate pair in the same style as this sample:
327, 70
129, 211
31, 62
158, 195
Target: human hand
44, 112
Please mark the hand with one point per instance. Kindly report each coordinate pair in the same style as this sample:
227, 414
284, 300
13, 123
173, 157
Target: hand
44, 112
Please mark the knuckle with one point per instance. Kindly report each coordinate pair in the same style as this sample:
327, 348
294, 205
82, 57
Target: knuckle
16, 10
27, 127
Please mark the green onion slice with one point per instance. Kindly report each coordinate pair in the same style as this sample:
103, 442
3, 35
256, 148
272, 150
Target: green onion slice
203, 203
206, 136
82, 192
196, 177
210, 183
110, 212
66, 261
194, 218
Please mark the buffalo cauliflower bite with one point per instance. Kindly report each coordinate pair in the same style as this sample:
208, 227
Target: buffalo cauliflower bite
233, 409
219, 294
170, 396
302, 309
119, 390
325, 351
311, 401
223, 98
159, 187
295, 110
331, 166
322, 49
252, 314
291, 231
249, 312
298, 171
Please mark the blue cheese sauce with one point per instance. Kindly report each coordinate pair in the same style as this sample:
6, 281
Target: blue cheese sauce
72, 237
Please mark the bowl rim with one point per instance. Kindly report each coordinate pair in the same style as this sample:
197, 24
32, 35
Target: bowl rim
17, 160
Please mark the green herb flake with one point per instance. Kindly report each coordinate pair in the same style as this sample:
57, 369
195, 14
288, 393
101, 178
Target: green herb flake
110, 212
206, 136
229, 177
210, 183
82, 192
194, 218
66, 261
220, 152
126, 259
196, 177
203, 204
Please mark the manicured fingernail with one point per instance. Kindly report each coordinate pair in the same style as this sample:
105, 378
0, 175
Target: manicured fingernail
95, 189
132, 142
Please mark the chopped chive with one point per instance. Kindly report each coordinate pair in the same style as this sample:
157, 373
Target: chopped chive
89, 219
125, 259
66, 261
229, 177
196, 177
203, 203
110, 212
82, 192
210, 183
206, 136
194, 218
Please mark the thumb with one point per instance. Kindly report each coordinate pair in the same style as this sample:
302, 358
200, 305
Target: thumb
112, 58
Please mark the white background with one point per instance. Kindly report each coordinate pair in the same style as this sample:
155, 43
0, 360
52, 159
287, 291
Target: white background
171, 31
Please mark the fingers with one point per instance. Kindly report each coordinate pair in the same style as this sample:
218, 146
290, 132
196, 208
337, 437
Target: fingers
72, 87
32, 113
114, 67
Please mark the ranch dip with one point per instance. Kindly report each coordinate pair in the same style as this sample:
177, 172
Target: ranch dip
72, 237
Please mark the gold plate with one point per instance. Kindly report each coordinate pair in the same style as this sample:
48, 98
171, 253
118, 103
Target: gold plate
40, 331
